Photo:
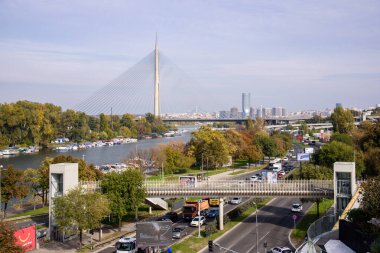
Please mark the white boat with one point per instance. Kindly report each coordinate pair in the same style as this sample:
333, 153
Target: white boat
63, 148
10, 152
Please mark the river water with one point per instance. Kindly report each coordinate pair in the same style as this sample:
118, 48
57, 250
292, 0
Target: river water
96, 156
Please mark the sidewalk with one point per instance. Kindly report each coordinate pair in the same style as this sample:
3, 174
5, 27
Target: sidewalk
72, 245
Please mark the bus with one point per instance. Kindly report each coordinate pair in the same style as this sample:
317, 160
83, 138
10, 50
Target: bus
126, 245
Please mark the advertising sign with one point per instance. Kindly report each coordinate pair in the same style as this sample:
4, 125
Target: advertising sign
303, 157
26, 238
269, 176
309, 150
189, 181
154, 234
214, 202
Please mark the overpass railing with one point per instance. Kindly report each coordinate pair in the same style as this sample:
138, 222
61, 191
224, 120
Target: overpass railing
284, 188
290, 188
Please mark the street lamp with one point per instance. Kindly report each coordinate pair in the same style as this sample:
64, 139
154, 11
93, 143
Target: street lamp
257, 230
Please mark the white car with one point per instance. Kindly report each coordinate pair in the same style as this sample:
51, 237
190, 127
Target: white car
195, 222
235, 201
254, 178
296, 207
281, 250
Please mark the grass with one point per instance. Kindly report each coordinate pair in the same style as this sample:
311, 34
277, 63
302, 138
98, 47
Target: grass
298, 234
250, 169
193, 244
41, 210
209, 172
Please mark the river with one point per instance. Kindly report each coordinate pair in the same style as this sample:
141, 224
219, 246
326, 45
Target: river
96, 156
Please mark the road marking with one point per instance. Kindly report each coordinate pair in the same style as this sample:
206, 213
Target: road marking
258, 242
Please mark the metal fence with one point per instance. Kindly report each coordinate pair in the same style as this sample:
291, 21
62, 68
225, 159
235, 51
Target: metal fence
318, 228
174, 188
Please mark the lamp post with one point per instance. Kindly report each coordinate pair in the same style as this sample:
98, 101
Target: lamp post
257, 230
199, 219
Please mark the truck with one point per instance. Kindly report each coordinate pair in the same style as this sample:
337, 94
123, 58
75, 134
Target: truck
190, 209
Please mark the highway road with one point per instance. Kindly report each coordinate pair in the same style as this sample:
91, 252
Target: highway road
274, 224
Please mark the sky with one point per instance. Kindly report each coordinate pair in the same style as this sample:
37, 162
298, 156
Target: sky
300, 55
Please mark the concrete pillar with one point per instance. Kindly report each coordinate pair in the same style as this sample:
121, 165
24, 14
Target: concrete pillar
100, 234
221, 212
150, 210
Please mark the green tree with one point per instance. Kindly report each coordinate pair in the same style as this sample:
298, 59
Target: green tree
7, 240
311, 171
32, 179
267, 144
345, 138
12, 186
80, 210
125, 192
342, 120
210, 144
333, 152
253, 154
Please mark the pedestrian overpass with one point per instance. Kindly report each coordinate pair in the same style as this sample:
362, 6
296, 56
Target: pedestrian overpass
242, 188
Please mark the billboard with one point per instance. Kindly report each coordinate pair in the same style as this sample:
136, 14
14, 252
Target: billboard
269, 176
309, 150
26, 238
189, 181
154, 234
303, 157
214, 201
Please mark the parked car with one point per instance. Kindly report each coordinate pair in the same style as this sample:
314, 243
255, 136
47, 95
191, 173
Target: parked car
296, 207
204, 212
213, 213
173, 216
198, 220
280, 250
235, 201
179, 232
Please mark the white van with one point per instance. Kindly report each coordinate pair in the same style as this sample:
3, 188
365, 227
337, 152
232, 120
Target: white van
126, 245
277, 167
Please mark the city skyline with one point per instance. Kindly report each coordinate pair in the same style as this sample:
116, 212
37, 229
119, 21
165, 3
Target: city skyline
296, 55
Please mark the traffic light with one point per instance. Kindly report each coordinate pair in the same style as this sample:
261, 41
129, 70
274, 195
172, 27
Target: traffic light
210, 246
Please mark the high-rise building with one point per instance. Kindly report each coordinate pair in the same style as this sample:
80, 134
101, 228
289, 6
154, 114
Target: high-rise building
277, 111
246, 104
252, 113
224, 114
267, 112
283, 112
234, 113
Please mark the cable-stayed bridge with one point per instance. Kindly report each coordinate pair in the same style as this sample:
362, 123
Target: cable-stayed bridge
154, 84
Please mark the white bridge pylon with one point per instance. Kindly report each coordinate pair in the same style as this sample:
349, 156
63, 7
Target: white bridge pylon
282, 188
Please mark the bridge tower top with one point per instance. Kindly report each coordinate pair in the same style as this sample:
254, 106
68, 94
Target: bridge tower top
156, 82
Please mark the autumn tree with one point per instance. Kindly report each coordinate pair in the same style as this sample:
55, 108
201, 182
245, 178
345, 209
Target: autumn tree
77, 209
7, 239
209, 144
176, 157
342, 120
371, 200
